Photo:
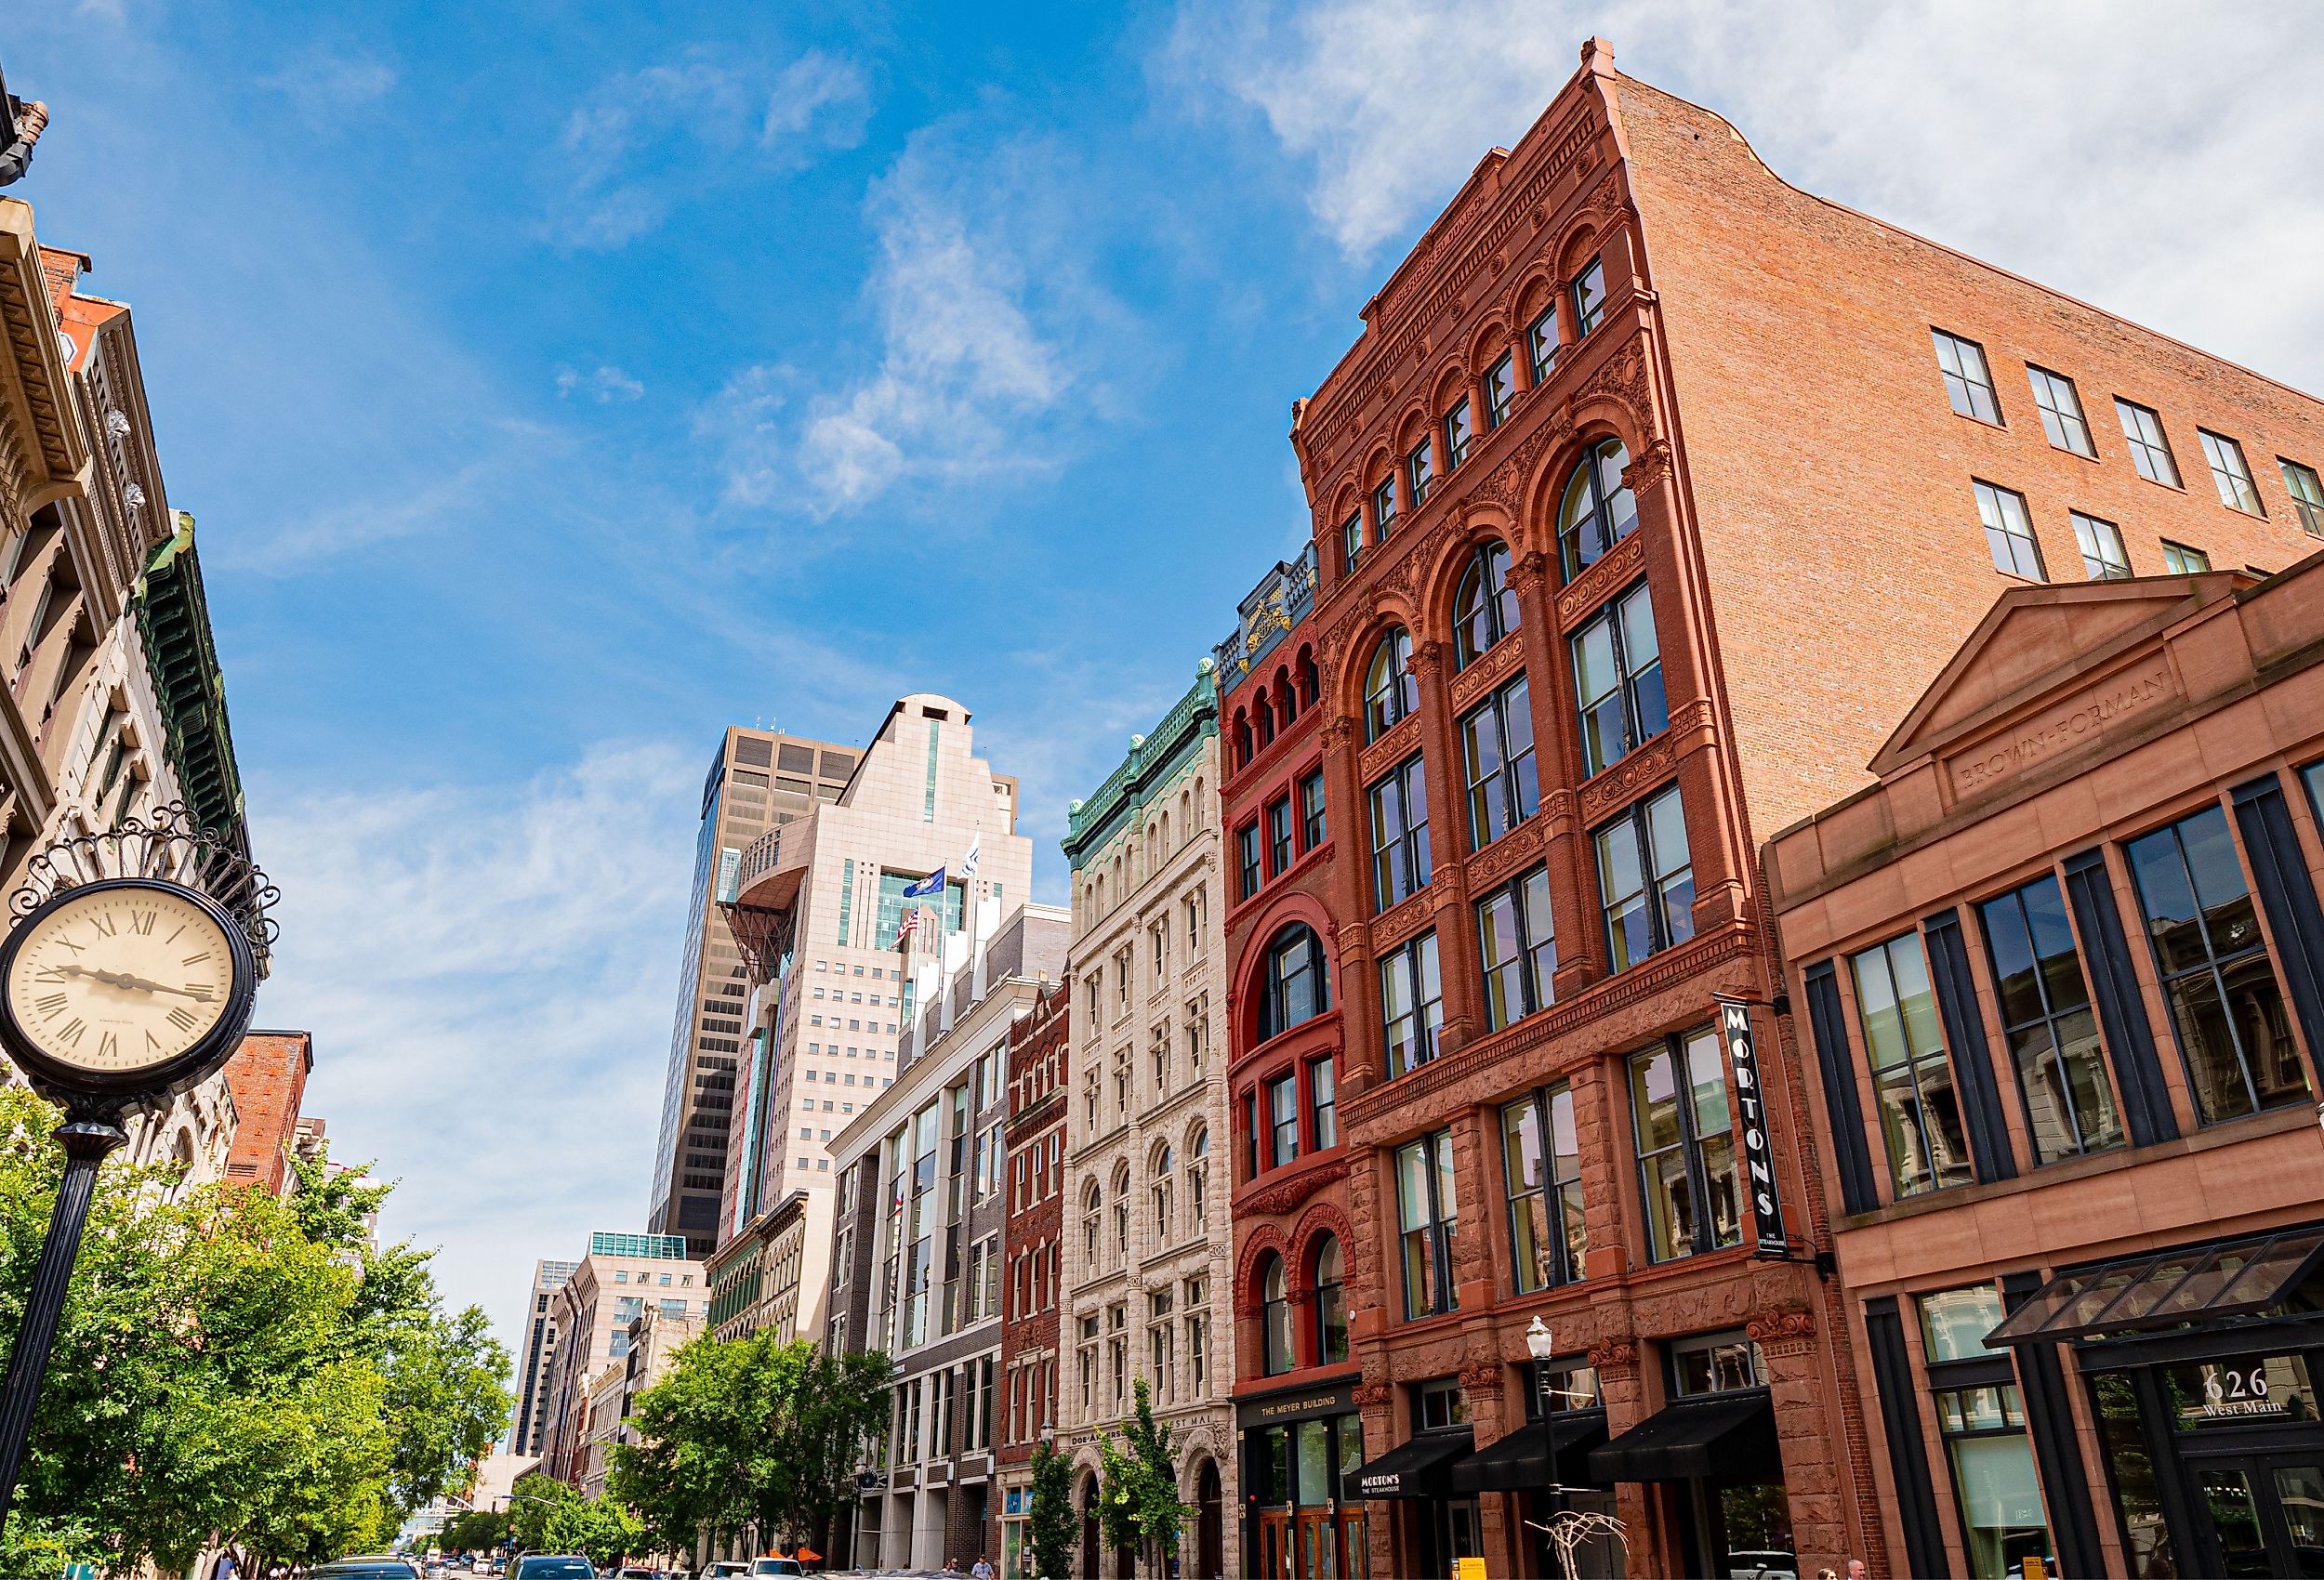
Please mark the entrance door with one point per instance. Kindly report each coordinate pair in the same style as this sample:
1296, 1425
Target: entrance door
2266, 1513
1209, 1547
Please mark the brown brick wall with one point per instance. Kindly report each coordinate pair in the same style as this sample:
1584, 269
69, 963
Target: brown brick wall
268, 1076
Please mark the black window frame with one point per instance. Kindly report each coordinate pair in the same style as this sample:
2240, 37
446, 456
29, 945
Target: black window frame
2060, 423
1399, 697
2231, 473
1630, 678
1383, 510
1507, 790
1929, 1075
1280, 851
1607, 530
2178, 559
1960, 389
1352, 542
1275, 982
1998, 529
1533, 979
2012, 907
1415, 960
2134, 420
1408, 840
1249, 875
1420, 470
1323, 1102
1283, 1128
1459, 433
1330, 1322
1315, 823
1657, 881
2307, 494
1483, 596
1439, 1232
1500, 391
1683, 1049
1589, 313
1274, 1319
1542, 343
1562, 1221
2097, 566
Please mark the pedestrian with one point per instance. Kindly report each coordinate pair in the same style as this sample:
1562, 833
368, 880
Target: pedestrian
981, 1569
1857, 1570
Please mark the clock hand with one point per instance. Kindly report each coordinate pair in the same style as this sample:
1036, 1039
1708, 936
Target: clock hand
122, 979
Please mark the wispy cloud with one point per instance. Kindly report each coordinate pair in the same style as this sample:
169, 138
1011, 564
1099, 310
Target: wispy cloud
604, 385
2069, 142
988, 331
490, 970
326, 88
644, 140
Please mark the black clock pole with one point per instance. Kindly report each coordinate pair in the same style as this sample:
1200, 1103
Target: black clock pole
85, 1143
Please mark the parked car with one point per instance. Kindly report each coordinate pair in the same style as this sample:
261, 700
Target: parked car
567, 1566
783, 1568
724, 1569
378, 1566
1762, 1566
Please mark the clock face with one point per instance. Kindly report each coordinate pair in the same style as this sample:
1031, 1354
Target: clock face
116, 980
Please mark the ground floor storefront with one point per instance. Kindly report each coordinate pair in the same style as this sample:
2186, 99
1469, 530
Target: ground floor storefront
926, 1523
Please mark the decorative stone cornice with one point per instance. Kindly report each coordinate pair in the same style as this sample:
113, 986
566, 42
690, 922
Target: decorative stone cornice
1283, 1195
1614, 570
1615, 1357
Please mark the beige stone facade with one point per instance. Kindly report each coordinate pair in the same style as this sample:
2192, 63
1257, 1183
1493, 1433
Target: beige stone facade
1147, 1246
622, 1279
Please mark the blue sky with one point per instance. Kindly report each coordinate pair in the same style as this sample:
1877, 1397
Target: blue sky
555, 384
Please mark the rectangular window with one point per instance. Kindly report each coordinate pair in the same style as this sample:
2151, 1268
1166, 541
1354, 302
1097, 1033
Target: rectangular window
2046, 1017
1427, 1215
1246, 860
1282, 1121
2308, 494
1312, 826
1420, 471
1352, 541
2150, 452
1715, 1363
2224, 1001
1250, 1136
2009, 532
1383, 510
1646, 879
2061, 410
2229, 472
1590, 298
1497, 759
1400, 859
1411, 1004
1541, 1160
2101, 543
1912, 1079
2181, 561
1994, 1483
1517, 944
1323, 1087
1541, 345
1458, 430
1618, 681
1500, 392
1968, 385
1678, 1097
1279, 834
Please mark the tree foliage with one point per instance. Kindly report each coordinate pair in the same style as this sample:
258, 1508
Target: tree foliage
230, 1362
478, 1529
1138, 1501
750, 1431
1051, 1527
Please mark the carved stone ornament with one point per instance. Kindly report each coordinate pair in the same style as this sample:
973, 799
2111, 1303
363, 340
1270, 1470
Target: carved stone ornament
1785, 1324
1367, 1395
1617, 1355
1648, 467
1636, 774
1285, 1194
1479, 1376
1616, 568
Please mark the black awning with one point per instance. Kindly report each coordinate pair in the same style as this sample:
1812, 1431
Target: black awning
1413, 1468
2197, 1284
1538, 1455
1721, 1437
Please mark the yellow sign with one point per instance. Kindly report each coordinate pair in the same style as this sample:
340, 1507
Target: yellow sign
1468, 1569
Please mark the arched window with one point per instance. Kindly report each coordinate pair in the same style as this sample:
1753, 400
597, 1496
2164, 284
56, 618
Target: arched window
1484, 609
1121, 1215
1310, 683
1389, 690
1598, 509
1331, 1304
1264, 712
1199, 1175
1242, 739
1294, 987
1286, 704
1274, 1294
1161, 1189
1092, 1214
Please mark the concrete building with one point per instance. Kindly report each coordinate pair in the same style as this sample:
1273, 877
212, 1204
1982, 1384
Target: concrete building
1148, 1244
758, 781
817, 910
755, 1276
1649, 500
600, 1426
916, 1254
537, 1358
622, 1277
1294, 1376
2064, 966
1032, 1254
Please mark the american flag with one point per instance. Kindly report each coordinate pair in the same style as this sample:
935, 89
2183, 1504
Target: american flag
905, 929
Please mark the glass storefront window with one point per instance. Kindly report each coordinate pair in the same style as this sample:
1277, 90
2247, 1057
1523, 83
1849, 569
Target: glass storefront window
1313, 1480
1716, 1363
2137, 1493
2239, 1391
1994, 1484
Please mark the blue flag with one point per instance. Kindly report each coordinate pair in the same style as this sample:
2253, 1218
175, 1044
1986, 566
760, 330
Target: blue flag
933, 884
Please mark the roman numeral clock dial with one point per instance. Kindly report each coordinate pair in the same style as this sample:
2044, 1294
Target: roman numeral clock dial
120, 980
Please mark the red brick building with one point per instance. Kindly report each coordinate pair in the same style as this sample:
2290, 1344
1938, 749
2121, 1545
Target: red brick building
267, 1075
1650, 499
2031, 1112
1296, 1380
1031, 1250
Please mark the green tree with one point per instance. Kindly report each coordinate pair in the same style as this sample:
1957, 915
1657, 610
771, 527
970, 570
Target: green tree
533, 1502
1051, 1527
479, 1530
602, 1531
1138, 1501
750, 1431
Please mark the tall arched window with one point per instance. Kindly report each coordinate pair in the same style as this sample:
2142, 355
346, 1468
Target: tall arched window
1310, 683
1331, 1304
1242, 739
1598, 509
1093, 1208
1161, 1189
1275, 1293
1199, 1175
1121, 1217
1484, 609
1389, 690
1293, 987
1264, 712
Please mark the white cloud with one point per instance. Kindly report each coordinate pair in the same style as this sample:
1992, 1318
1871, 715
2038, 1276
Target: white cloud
2099, 148
327, 87
987, 330
644, 140
604, 386
490, 971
